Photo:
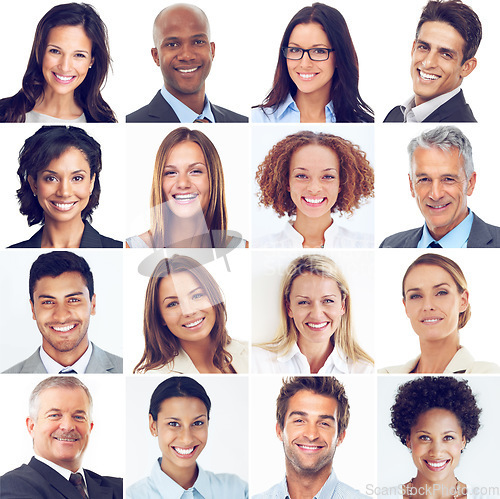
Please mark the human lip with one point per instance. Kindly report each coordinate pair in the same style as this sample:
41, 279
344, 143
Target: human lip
185, 198
436, 465
317, 325
431, 320
314, 201
63, 328
193, 324
309, 447
63, 206
63, 79
427, 76
187, 70
438, 207
184, 452
68, 437
307, 76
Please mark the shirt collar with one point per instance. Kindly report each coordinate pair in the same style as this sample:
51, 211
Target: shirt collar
53, 367
419, 113
184, 113
326, 492
331, 233
62, 471
289, 107
456, 238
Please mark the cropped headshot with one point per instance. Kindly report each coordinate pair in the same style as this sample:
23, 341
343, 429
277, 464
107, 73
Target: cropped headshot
433, 433
177, 443
314, 316
319, 181
66, 71
188, 314
440, 312
317, 72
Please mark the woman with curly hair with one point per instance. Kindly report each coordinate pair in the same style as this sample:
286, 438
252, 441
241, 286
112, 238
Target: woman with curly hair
310, 176
316, 78
66, 70
435, 417
316, 331
185, 322
436, 301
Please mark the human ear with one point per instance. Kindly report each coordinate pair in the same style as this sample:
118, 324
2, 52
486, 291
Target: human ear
411, 186
279, 431
471, 183
464, 301
468, 67
32, 183
154, 53
153, 426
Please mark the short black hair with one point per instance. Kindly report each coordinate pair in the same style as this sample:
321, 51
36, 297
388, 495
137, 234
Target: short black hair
434, 392
458, 16
177, 386
47, 144
55, 263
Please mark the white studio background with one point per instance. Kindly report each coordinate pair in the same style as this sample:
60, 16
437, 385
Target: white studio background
397, 343
20, 337
232, 144
391, 34
227, 446
269, 20
104, 219
355, 459
396, 210
17, 31
265, 220
268, 269
227, 85
235, 286
477, 467
106, 450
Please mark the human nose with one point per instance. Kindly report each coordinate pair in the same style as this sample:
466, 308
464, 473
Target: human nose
316, 310
306, 60
188, 307
428, 303
60, 314
183, 181
314, 185
436, 190
64, 188
436, 448
66, 422
186, 52
429, 60
311, 431
65, 62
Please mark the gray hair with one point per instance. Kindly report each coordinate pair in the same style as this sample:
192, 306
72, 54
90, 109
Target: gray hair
68, 382
444, 138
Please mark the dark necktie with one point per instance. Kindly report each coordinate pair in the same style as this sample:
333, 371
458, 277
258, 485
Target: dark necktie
202, 120
434, 244
77, 480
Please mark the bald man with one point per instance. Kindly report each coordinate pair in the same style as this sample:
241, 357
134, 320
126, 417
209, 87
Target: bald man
184, 53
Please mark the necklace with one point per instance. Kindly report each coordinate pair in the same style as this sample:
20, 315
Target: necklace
455, 496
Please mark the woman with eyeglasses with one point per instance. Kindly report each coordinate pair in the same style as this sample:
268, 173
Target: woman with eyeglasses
316, 78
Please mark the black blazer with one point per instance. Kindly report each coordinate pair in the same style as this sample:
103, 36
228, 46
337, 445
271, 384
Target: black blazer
36, 480
160, 111
90, 239
455, 110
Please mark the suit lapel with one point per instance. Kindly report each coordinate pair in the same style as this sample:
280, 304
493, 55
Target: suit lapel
55, 480
160, 110
95, 489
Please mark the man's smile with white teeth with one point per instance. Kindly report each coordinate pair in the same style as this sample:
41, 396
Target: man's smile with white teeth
191, 70
427, 76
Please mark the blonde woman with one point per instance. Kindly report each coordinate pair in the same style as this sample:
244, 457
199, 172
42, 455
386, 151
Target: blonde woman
315, 334
188, 204
185, 323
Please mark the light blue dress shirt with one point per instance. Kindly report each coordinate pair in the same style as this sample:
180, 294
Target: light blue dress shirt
332, 489
287, 112
184, 113
208, 485
456, 238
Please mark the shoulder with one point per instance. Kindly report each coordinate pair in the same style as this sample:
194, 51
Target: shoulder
262, 115
361, 367
228, 482
483, 235
223, 115
35, 241
92, 239
157, 111
275, 492
395, 115
32, 365
22, 482
454, 110
400, 369
102, 361
345, 238
264, 361
405, 239
139, 241
239, 352
107, 481
480, 367
143, 489
344, 490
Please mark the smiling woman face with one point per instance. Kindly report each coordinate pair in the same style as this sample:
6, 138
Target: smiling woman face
436, 442
433, 303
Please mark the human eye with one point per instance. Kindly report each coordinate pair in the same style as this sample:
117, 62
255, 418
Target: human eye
199, 295
53, 51
80, 418
302, 302
329, 176
49, 178
424, 438
200, 42
197, 171
171, 45
81, 55
174, 424
449, 180
414, 296
74, 300
421, 46
301, 176
448, 438
169, 173
325, 424
172, 304
442, 292
47, 302
198, 423
422, 180
294, 50
328, 301
53, 415
320, 51
78, 178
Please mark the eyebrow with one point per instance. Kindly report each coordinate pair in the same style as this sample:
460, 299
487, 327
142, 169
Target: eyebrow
81, 170
324, 296
179, 419
197, 163
433, 287
305, 414
77, 293
440, 49
441, 176
57, 47
442, 433
307, 169
175, 297
323, 45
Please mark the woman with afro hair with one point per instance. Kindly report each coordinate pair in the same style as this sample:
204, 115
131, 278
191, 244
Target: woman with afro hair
309, 176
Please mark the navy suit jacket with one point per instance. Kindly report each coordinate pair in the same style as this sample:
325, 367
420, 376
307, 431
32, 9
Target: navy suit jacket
90, 239
482, 235
160, 111
36, 480
455, 110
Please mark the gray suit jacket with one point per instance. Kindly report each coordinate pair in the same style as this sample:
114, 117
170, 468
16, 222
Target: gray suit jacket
100, 362
482, 235
160, 111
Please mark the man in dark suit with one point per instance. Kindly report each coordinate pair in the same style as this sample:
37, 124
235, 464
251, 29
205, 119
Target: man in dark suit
441, 178
60, 423
62, 299
184, 53
447, 38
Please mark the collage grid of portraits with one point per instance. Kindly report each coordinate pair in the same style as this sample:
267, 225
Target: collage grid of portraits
242, 436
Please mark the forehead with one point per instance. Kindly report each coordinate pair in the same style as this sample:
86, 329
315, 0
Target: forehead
186, 152
438, 420
178, 283
442, 35
314, 156
427, 275
309, 33
182, 407
433, 159
312, 403
74, 399
66, 283
71, 36
181, 21
70, 158
312, 284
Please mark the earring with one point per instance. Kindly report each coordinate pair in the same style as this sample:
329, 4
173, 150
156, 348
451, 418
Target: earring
90, 66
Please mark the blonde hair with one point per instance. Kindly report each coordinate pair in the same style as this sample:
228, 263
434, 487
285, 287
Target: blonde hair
455, 272
216, 213
288, 334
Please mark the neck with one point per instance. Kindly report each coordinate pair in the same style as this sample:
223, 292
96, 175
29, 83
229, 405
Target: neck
312, 106
305, 485
435, 490
62, 234
316, 353
58, 106
312, 229
195, 102
201, 354
439, 232
66, 358
436, 355
186, 232
185, 477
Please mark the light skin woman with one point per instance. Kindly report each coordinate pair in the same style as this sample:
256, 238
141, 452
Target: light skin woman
313, 175
435, 418
188, 206
67, 68
184, 312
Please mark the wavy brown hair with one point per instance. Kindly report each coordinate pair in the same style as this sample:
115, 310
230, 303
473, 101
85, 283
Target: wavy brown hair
161, 346
356, 174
